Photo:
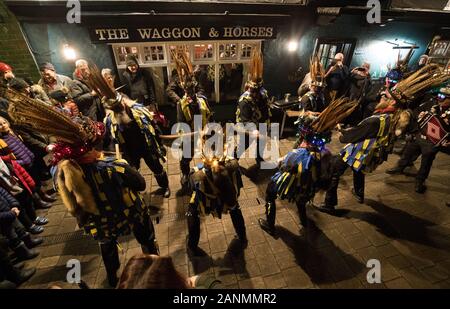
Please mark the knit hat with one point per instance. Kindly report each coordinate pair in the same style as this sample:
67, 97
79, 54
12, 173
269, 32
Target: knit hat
131, 60
4, 67
18, 84
46, 66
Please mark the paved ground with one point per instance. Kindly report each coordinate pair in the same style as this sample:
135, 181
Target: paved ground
408, 232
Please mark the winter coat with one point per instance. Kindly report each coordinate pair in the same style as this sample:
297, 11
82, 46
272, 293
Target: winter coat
15, 168
359, 86
22, 154
34, 141
88, 104
140, 86
61, 81
7, 202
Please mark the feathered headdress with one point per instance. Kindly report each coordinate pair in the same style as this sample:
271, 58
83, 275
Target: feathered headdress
316, 131
96, 81
76, 136
213, 158
255, 79
184, 67
429, 76
316, 72
402, 64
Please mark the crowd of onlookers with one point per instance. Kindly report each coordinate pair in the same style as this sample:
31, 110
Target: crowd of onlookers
23, 168
24, 171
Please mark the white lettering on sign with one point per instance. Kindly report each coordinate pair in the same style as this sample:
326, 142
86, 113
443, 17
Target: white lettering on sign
145, 34
247, 32
169, 33
112, 34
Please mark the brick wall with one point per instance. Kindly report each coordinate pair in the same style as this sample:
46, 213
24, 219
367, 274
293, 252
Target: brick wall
13, 48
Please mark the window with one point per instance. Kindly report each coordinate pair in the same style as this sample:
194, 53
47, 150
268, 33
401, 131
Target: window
440, 53
122, 51
179, 48
153, 53
220, 68
246, 50
326, 49
228, 51
203, 52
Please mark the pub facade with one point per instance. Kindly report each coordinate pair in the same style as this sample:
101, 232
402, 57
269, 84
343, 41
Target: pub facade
219, 37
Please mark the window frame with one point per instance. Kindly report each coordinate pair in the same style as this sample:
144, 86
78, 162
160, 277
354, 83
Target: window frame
169, 64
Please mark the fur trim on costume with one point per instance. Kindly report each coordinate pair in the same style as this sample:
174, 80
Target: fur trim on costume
75, 193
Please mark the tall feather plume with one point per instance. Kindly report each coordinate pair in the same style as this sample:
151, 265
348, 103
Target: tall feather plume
97, 83
183, 65
316, 70
36, 115
429, 76
402, 64
337, 111
256, 66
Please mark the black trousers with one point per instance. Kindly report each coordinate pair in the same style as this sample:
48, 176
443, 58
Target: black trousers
243, 146
339, 168
413, 150
6, 267
35, 173
153, 164
271, 209
144, 234
27, 211
13, 232
193, 221
185, 161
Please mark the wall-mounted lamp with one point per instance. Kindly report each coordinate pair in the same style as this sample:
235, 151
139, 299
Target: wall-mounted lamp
292, 46
69, 53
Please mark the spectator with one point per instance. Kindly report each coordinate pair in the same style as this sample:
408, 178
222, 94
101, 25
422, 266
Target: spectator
18, 239
420, 64
6, 73
12, 276
337, 77
87, 100
64, 102
51, 81
33, 91
109, 76
145, 271
25, 158
140, 85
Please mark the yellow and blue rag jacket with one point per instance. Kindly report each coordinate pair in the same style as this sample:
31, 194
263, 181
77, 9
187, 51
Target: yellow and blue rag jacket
205, 112
143, 119
120, 207
368, 154
297, 175
206, 196
251, 110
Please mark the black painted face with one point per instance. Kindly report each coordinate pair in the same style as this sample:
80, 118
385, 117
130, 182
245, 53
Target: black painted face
190, 89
